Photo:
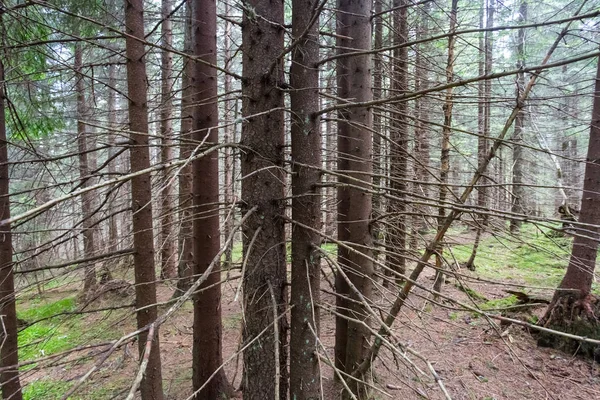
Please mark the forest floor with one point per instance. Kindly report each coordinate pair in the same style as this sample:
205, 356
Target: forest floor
474, 357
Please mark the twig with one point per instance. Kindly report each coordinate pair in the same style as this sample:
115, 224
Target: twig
143, 365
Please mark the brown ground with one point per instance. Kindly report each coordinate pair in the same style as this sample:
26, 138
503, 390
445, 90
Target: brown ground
471, 357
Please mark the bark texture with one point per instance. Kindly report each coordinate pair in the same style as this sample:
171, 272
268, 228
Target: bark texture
355, 149
168, 249
207, 348
305, 377
265, 360
87, 199
143, 243
9, 357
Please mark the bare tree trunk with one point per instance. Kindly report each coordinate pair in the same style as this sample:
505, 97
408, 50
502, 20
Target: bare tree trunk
396, 235
168, 249
518, 189
112, 165
484, 125
84, 175
141, 197
355, 206
9, 378
228, 137
207, 349
421, 139
305, 376
185, 266
264, 285
445, 153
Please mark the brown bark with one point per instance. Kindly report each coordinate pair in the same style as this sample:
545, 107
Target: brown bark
143, 243
354, 205
580, 272
263, 188
185, 268
305, 377
9, 357
207, 347
84, 175
574, 309
396, 245
518, 189
112, 166
484, 110
168, 244
445, 151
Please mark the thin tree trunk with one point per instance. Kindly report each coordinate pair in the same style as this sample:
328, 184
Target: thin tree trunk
9, 378
185, 267
396, 244
228, 137
484, 115
305, 376
207, 348
445, 153
141, 197
84, 175
518, 189
355, 206
421, 139
265, 292
168, 244
112, 166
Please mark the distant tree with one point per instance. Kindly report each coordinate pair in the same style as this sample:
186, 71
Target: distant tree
141, 197
168, 245
518, 189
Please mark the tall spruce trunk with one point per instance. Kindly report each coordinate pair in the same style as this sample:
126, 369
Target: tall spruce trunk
9, 356
574, 309
264, 281
355, 149
168, 249
398, 157
518, 189
185, 267
84, 176
305, 376
483, 120
141, 197
113, 165
445, 151
207, 347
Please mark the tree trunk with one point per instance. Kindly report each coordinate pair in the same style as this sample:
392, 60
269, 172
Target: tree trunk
484, 110
264, 281
305, 376
396, 235
113, 164
87, 199
9, 378
574, 309
228, 137
207, 349
185, 268
518, 189
445, 153
168, 244
141, 196
354, 205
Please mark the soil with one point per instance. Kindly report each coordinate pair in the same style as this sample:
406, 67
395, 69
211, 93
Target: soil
474, 358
